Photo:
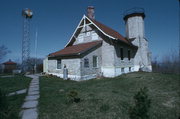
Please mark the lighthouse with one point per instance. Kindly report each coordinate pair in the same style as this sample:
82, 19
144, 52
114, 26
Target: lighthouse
135, 33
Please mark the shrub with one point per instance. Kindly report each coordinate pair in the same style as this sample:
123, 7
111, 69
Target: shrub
142, 104
104, 108
73, 96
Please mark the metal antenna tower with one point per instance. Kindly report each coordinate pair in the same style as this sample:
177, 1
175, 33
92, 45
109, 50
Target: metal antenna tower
27, 15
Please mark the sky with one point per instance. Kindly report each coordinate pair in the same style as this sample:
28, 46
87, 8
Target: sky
56, 20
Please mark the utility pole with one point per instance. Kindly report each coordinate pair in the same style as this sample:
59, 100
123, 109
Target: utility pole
35, 66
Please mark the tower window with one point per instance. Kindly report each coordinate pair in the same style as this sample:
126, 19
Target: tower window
129, 55
122, 55
86, 62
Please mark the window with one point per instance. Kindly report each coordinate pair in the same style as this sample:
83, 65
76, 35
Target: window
58, 64
86, 62
88, 33
129, 69
129, 55
95, 61
94, 35
122, 70
122, 55
80, 37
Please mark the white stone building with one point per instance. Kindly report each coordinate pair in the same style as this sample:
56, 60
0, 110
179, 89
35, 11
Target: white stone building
95, 50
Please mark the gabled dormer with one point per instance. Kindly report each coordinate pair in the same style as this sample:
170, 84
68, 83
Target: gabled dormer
89, 30
86, 32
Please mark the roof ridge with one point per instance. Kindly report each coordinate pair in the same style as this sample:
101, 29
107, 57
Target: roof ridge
104, 25
108, 30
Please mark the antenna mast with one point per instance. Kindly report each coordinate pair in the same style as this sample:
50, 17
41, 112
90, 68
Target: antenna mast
35, 66
27, 15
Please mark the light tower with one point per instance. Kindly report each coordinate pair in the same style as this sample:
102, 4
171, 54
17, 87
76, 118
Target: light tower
27, 15
134, 21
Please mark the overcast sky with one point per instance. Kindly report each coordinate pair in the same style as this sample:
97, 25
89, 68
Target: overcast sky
56, 20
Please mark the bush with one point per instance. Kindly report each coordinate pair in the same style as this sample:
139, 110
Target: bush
104, 108
73, 96
142, 104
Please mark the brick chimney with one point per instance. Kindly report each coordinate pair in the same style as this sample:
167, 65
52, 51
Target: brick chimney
90, 12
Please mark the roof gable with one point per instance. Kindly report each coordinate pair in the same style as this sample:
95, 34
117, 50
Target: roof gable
9, 63
101, 27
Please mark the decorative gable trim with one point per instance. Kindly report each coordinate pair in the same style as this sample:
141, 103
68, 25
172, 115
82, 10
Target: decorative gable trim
100, 29
112, 34
75, 31
82, 26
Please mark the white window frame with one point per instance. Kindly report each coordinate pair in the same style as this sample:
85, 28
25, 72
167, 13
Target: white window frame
86, 59
81, 37
122, 70
59, 64
96, 61
94, 35
88, 33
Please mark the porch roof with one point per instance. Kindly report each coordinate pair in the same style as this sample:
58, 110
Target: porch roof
76, 49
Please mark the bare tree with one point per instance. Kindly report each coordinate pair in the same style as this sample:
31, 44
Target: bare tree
3, 52
170, 63
31, 63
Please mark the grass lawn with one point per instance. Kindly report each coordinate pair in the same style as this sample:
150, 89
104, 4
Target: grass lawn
12, 84
109, 98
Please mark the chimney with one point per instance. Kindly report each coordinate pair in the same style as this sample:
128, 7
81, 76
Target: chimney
90, 12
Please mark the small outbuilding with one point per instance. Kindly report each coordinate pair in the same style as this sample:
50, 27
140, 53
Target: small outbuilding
9, 66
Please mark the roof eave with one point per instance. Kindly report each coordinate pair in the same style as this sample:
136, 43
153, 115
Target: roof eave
64, 55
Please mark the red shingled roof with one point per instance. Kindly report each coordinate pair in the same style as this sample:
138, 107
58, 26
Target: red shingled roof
9, 63
110, 31
76, 49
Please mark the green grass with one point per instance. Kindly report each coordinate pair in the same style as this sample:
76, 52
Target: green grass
15, 102
11, 84
14, 106
109, 98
